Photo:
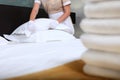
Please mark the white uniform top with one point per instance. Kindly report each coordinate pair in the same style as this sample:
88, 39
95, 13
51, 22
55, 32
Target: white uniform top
55, 10
53, 6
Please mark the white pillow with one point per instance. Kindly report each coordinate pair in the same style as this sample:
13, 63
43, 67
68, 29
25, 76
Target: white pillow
40, 24
63, 28
42, 36
3, 41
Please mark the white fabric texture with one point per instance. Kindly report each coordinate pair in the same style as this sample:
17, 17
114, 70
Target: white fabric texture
103, 72
38, 31
21, 59
40, 25
105, 9
66, 22
3, 41
54, 24
31, 28
102, 59
42, 36
110, 43
101, 26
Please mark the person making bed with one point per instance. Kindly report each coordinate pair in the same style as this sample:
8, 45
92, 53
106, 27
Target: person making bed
59, 10
59, 18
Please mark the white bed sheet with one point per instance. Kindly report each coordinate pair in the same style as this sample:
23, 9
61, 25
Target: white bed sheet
20, 59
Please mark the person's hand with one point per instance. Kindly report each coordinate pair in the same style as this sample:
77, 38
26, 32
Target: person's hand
54, 24
30, 28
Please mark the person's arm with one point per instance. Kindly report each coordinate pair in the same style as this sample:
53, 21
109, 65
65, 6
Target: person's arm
65, 15
31, 27
34, 11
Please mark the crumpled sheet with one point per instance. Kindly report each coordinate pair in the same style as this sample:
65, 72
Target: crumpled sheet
3, 41
18, 59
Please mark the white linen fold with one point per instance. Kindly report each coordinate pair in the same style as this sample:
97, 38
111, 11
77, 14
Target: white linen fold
26, 58
3, 41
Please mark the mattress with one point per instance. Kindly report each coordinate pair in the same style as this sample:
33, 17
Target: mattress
18, 59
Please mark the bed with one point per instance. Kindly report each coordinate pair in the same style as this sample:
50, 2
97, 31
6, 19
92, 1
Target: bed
13, 16
56, 60
59, 60
19, 59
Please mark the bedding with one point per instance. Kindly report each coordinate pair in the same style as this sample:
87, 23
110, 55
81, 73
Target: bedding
41, 31
40, 24
3, 41
18, 59
41, 36
43, 49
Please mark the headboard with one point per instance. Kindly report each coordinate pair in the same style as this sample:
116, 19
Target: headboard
13, 16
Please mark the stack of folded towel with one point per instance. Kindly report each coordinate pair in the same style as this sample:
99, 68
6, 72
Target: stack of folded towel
101, 36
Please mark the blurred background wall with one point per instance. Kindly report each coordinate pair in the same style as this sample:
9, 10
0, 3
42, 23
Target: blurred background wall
26, 3
76, 6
